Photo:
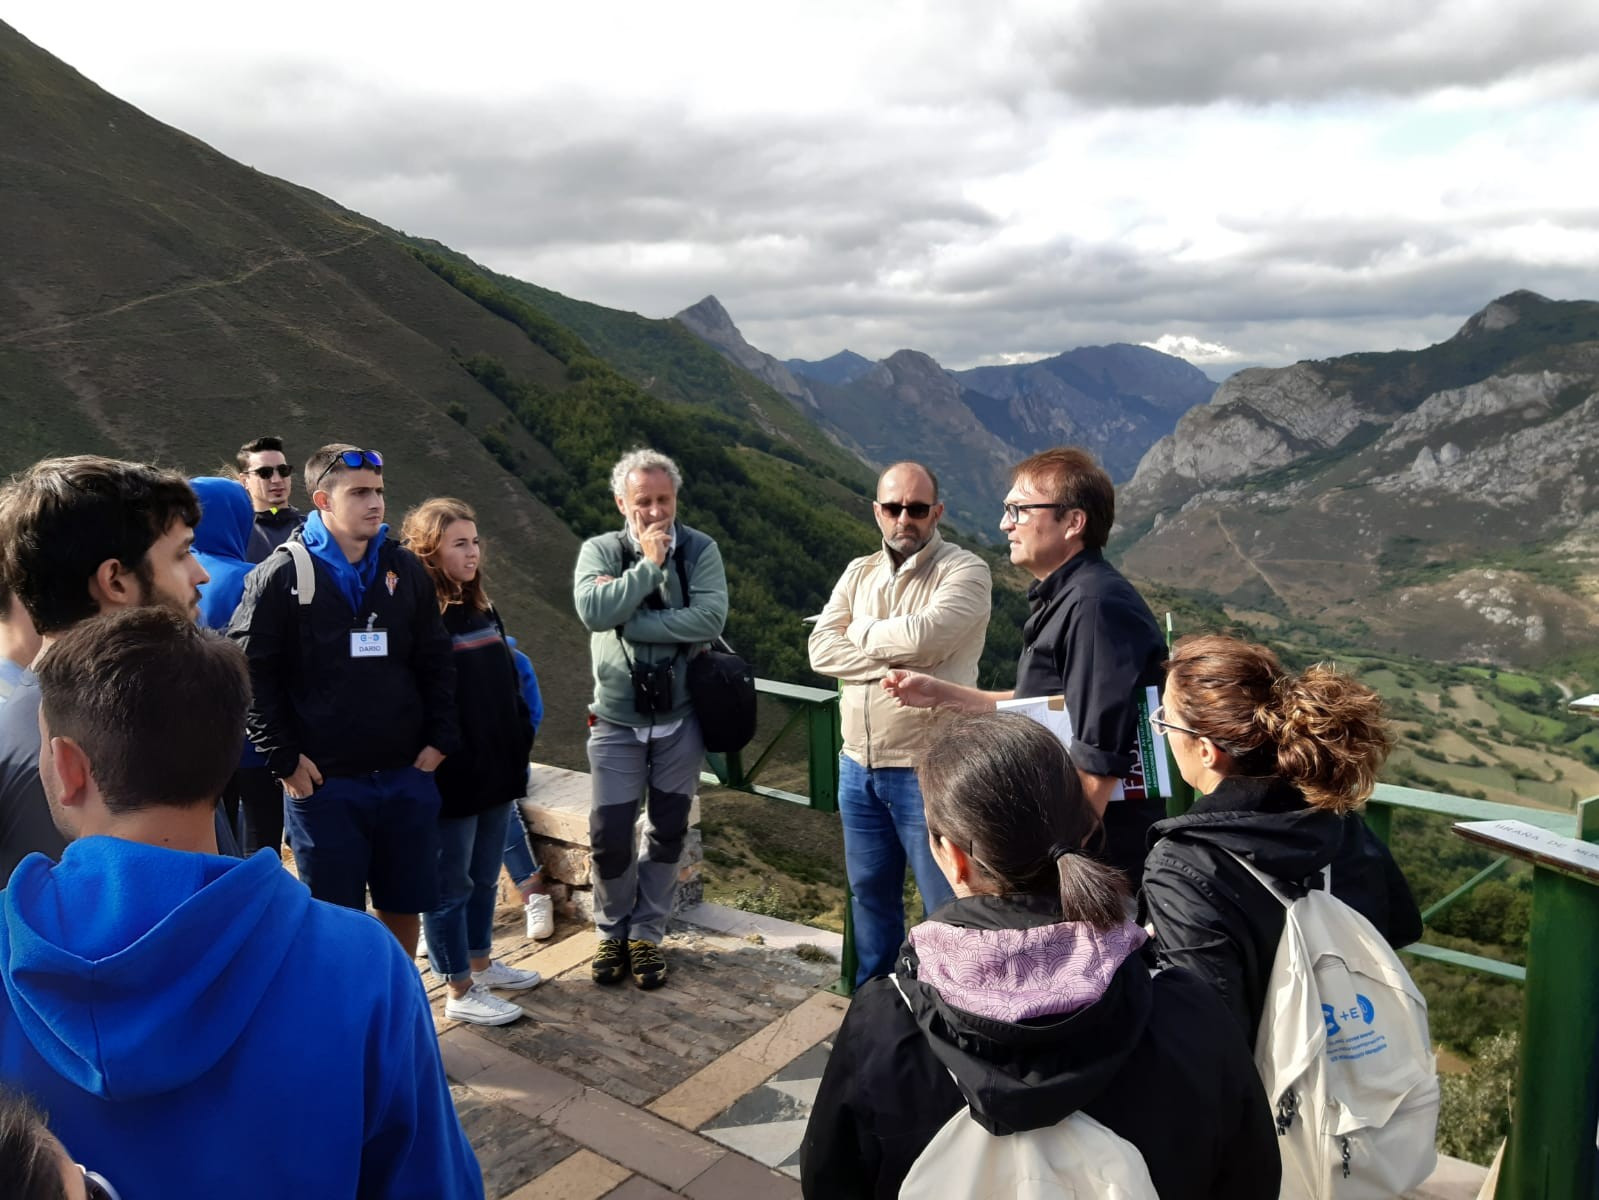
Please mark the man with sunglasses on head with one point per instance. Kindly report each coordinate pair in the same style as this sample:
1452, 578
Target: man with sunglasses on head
268, 476
354, 704
918, 603
1090, 638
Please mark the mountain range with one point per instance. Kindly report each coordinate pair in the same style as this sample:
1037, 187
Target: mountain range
970, 426
1441, 501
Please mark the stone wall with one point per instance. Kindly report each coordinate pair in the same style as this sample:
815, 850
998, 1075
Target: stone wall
556, 810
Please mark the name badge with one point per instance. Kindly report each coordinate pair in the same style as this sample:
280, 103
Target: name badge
369, 643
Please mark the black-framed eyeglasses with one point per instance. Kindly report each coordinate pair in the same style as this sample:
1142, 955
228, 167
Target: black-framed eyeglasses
354, 460
1161, 724
282, 471
96, 1186
1013, 512
915, 512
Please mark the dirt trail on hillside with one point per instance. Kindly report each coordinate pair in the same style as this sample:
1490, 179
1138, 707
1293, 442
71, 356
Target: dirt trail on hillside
294, 256
1249, 562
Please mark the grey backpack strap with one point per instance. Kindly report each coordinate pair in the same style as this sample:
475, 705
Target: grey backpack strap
304, 572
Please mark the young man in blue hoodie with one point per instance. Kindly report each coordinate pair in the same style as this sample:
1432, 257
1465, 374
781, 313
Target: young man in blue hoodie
354, 703
159, 998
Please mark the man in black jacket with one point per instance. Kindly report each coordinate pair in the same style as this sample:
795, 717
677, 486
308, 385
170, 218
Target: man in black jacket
354, 703
1090, 638
267, 475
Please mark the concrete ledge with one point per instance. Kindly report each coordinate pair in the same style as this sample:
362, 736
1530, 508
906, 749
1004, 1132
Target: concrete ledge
779, 934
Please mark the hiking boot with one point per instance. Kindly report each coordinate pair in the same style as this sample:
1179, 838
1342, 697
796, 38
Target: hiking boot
540, 917
648, 964
479, 1006
509, 979
610, 961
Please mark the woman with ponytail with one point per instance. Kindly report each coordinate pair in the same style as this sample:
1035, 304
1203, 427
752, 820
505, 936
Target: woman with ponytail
1282, 764
1025, 1001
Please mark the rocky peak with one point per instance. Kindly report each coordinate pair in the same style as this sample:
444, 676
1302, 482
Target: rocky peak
1500, 314
710, 321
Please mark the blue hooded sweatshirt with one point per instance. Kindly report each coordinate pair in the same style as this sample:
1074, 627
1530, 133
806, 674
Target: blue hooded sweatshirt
199, 1026
353, 577
227, 519
220, 542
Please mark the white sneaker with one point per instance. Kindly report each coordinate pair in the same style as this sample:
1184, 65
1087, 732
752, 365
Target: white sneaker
481, 1007
421, 943
498, 975
540, 917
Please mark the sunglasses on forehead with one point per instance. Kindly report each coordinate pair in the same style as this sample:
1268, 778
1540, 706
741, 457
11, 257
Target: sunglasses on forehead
914, 511
354, 460
282, 471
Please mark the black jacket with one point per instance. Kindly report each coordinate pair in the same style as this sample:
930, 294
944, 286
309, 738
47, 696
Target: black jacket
1091, 639
1213, 918
348, 715
1154, 1059
272, 528
496, 729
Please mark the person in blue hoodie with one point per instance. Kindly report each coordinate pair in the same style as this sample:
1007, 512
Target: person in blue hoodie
159, 998
253, 799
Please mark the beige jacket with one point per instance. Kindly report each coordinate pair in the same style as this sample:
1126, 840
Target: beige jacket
930, 615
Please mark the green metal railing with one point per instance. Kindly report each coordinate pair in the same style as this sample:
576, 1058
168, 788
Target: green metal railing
1561, 975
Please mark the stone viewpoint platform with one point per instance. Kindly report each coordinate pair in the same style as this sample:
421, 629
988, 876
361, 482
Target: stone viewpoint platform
699, 1089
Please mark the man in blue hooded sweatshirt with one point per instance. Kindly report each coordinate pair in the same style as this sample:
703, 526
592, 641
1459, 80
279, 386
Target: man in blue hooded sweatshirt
354, 704
159, 998
253, 799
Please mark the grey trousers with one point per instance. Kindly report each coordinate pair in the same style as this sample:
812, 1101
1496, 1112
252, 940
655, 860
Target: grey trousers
633, 896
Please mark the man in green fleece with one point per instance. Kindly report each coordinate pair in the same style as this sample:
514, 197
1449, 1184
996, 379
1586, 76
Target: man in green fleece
652, 594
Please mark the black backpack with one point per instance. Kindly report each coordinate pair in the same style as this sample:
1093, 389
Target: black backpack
721, 684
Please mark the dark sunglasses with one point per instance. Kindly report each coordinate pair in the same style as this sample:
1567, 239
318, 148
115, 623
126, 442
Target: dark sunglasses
282, 471
96, 1186
354, 460
916, 512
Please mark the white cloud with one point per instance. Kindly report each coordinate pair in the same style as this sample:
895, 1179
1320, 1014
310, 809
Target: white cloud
986, 183
1195, 350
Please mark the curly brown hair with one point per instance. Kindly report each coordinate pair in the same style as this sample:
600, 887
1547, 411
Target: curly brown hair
1320, 730
422, 533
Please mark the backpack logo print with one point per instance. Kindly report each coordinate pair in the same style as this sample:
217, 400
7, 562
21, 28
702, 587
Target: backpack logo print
392, 581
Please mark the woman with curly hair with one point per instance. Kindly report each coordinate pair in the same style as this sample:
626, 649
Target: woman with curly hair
1282, 763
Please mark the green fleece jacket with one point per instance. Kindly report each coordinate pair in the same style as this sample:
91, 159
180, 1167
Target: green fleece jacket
652, 634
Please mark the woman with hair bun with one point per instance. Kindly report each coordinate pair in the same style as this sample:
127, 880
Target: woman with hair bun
1025, 1001
1283, 764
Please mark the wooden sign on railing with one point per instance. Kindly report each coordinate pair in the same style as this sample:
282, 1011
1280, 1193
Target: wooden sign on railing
1536, 845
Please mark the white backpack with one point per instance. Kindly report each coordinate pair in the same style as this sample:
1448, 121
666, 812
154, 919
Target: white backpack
1345, 1055
1076, 1159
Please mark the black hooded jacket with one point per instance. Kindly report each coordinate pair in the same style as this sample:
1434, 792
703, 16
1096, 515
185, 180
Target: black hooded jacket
1212, 917
1154, 1059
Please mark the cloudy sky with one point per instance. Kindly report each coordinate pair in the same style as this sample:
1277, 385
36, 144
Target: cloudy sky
1239, 181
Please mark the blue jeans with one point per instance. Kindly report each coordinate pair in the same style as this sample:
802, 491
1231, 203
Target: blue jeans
884, 827
461, 928
518, 852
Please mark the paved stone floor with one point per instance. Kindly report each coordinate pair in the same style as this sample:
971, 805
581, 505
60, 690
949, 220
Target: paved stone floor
697, 1089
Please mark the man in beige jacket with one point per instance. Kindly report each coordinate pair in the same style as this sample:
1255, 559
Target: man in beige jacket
918, 603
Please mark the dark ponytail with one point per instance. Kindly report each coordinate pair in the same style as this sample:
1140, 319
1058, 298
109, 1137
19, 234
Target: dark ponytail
1003, 789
